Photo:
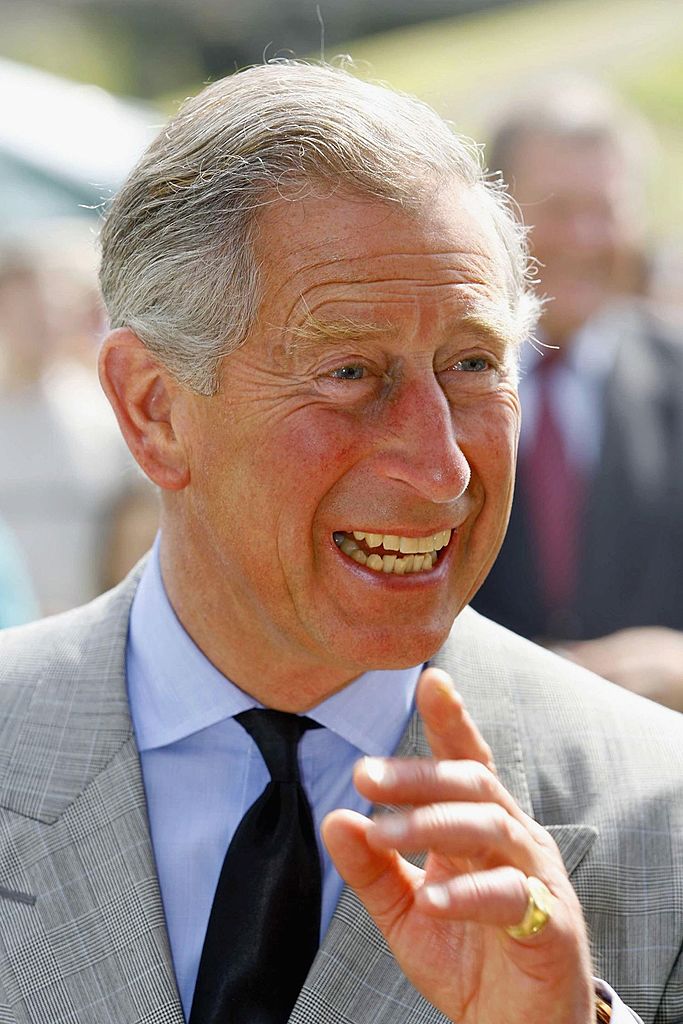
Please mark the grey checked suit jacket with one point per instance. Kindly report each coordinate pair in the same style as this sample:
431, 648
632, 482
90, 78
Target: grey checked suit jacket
82, 934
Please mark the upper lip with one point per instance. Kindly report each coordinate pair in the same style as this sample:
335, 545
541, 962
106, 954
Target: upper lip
400, 531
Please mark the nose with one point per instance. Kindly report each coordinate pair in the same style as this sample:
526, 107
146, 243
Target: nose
420, 447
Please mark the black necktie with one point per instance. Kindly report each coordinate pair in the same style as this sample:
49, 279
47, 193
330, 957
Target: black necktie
264, 927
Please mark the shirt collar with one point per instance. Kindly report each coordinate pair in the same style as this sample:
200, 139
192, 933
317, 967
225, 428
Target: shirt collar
174, 690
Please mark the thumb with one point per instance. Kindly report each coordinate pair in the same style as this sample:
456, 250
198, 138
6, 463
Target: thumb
383, 881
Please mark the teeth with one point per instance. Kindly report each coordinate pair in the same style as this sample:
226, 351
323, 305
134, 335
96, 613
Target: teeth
420, 553
408, 545
348, 546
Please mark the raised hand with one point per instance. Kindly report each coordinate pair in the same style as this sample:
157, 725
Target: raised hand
446, 924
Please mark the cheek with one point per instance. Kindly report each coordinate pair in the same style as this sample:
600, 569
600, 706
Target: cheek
297, 461
489, 440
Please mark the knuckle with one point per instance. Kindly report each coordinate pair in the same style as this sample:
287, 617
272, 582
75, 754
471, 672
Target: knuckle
510, 832
483, 783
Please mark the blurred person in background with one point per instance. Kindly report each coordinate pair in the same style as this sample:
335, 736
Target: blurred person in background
17, 600
593, 559
63, 466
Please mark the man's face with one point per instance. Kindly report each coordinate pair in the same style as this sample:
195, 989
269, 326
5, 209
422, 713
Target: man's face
372, 397
582, 204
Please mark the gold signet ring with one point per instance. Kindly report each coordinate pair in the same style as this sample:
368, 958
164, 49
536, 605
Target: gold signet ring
538, 912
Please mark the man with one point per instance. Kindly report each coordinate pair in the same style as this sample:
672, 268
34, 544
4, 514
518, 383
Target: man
317, 303
593, 559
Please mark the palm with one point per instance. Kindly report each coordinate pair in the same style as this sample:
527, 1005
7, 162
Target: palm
465, 970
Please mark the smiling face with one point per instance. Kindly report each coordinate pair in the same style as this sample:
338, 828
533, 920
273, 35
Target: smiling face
370, 419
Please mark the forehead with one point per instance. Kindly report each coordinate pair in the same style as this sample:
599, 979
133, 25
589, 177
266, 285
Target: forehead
346, 250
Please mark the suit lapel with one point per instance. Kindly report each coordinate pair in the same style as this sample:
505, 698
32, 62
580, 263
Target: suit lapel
81, 920
354, 979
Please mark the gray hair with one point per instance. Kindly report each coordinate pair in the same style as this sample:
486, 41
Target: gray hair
178, 265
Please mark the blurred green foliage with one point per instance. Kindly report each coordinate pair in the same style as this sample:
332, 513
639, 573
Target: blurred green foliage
464, 66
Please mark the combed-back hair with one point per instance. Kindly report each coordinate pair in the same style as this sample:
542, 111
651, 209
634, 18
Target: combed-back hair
178, 265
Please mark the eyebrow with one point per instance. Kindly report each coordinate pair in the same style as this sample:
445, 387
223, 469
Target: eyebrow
313, 332
496, 329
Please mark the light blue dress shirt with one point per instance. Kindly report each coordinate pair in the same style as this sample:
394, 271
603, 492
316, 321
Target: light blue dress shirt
202, 771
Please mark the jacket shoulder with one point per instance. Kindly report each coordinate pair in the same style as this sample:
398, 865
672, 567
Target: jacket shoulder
584, 741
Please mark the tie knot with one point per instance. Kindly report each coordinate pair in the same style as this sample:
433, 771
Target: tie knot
277, 735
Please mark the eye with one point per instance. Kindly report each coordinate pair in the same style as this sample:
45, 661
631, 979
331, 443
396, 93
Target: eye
474, 364
352, 372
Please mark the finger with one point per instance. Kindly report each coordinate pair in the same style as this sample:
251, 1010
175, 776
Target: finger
484, 834
450, 731
382, 879
498, 897
418, 781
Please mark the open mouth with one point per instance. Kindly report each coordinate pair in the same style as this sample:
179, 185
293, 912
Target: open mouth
391, 553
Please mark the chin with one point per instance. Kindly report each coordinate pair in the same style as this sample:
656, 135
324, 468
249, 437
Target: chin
395, 649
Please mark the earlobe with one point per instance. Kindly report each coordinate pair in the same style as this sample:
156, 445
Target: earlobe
142, 394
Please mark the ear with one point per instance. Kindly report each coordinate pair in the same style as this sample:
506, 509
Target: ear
143, 394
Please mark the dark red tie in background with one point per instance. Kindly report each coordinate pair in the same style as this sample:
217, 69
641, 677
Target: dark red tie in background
554, 489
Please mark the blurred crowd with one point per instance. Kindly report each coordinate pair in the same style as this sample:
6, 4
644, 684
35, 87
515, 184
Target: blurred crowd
75, 513
593, 561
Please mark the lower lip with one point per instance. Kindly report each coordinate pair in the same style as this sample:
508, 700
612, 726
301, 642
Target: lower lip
413, 579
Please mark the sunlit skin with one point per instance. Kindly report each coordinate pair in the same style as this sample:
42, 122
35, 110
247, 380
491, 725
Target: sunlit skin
396, 411
377, 393
584, 206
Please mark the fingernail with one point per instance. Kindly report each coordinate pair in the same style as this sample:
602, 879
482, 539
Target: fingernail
437, 895
391, 826
377, 770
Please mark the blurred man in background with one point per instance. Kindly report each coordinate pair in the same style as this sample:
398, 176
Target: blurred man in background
593, 558
64, 470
